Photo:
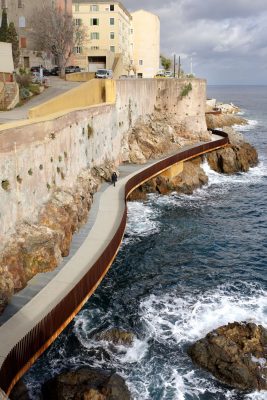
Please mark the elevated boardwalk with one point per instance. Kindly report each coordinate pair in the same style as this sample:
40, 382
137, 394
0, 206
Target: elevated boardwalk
31, 327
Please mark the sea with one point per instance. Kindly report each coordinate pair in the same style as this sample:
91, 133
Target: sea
187, 265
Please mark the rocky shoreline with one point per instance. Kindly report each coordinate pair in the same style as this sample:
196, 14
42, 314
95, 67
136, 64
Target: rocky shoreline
39, 247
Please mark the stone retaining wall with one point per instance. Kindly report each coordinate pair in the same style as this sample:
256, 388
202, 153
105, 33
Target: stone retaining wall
40, 154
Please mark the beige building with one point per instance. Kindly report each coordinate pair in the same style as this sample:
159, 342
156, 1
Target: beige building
146, 43
108, 25
20, 12
126, 43
6, 61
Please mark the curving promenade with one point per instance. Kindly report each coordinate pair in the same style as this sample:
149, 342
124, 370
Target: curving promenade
27, 333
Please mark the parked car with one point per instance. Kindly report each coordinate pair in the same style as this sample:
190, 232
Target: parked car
104, 73
72, 68
54, 71
46, 72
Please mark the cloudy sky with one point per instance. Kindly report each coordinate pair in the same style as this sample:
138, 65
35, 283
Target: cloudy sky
227, 39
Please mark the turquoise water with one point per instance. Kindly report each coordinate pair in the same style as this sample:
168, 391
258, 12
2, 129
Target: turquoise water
188, 264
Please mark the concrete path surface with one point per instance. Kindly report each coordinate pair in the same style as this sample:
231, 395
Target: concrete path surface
57, 86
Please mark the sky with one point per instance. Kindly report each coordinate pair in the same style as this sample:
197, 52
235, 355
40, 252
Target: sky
226, 39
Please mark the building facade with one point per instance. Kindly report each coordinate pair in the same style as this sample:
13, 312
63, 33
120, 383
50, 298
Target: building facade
21, 12
127, 43
108, 26
146, 43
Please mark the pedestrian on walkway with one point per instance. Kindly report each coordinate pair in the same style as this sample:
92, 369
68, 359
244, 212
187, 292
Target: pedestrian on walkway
114, 178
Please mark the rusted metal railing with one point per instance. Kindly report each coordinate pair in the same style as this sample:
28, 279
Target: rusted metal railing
24, 353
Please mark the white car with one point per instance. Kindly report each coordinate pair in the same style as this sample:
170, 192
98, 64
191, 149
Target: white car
104, 73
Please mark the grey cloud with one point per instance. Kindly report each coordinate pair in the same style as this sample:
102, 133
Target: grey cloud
227, 37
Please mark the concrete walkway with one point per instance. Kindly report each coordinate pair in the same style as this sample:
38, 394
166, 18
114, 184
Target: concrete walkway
57, 87
45, 291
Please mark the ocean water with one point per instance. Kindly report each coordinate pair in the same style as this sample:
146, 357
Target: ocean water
187, 265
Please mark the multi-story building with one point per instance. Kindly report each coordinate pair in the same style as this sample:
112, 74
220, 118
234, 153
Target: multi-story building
108, 26
146, 43
20, 12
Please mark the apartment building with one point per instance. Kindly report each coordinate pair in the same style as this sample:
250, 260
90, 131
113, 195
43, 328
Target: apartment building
146, 43
20, 12
108, 25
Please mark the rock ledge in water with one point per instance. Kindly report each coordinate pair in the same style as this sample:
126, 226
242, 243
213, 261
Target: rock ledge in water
235, 354
86, 384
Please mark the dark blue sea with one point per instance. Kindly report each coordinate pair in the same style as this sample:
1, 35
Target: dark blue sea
188, 264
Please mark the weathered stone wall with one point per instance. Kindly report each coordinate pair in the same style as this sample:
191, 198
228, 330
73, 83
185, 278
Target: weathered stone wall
37, 156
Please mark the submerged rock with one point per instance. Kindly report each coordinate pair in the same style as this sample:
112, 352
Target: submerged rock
236, 354
86, 384
116, 336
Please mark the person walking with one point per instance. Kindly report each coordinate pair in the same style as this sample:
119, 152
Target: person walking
114, 178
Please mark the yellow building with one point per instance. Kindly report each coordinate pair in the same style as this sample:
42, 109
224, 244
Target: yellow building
146, 43
108, 25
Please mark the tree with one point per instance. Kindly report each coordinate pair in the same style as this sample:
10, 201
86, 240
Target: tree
55, 32
12, 37
165, 62
4, 26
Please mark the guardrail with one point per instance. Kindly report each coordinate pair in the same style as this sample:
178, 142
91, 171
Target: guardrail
25, 352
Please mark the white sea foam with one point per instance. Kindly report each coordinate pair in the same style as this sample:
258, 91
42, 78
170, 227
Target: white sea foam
250, 125
141, 220
188, 318
172, 319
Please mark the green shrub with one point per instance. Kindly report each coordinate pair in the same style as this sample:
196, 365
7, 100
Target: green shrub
35, 89
24, 80
24, 93
186, 89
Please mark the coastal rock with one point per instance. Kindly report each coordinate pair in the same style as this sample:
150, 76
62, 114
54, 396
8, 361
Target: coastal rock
6, 287
19, 392
104, 172
215, 121
233, 158
116, 336
236, 354
191, 178
37, 248
86, 384
158, 134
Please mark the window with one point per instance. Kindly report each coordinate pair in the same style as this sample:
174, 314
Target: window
77, 7
111, 7
112, 35
23, 42
112, 48
94, 21
94, 8
111, 21
94, 35
94, 47
78, 50
78, 21
20, 5
140, 62
22, 22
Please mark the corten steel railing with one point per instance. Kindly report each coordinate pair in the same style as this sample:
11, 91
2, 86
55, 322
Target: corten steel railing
24, 353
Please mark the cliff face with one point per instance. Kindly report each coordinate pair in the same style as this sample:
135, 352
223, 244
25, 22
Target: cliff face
39, 247
158, 134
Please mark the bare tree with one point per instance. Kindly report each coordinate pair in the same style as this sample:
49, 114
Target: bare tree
55, 32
